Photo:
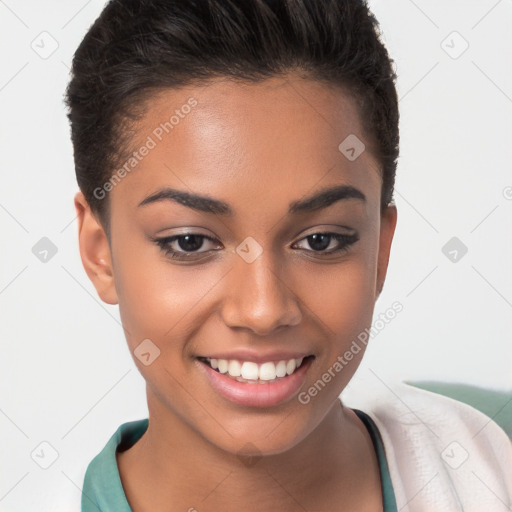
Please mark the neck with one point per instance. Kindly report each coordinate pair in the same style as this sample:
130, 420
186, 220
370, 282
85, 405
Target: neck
174, 466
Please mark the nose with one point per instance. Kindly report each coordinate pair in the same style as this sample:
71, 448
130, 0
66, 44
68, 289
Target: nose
258, 297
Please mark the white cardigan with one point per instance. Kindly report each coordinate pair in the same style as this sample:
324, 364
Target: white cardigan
443, 455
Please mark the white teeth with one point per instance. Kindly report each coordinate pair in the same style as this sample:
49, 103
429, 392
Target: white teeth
250, 371
281, 369
223, 365
290, 366
234, 368
267, 371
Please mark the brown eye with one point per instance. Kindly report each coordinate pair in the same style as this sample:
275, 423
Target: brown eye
320, 242
184, 246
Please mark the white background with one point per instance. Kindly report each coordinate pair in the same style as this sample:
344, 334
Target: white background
67, 377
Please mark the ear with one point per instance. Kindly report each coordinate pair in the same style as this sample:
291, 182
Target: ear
387, 230
95, 251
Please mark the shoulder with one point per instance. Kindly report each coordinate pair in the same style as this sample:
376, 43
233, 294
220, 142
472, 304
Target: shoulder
442, 454
102, 484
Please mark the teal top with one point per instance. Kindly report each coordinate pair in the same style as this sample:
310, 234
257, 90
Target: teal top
388, 495
103, 490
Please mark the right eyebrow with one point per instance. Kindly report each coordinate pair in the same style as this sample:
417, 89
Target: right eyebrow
326, 197
196, 202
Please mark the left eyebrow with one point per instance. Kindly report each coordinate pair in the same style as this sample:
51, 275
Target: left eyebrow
319, 200
326, 197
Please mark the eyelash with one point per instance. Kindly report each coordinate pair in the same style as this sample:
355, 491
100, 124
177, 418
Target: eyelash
165, 243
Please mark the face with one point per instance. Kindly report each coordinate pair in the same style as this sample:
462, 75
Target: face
252, 269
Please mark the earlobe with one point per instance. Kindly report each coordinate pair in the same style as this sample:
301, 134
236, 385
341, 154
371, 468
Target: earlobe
387, 230
95, 251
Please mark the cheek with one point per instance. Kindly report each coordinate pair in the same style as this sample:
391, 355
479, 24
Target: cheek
342, 296
157, 299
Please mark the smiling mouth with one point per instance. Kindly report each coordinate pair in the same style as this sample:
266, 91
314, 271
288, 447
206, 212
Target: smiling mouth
254, 373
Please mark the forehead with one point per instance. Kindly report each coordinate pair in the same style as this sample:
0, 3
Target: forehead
241, 141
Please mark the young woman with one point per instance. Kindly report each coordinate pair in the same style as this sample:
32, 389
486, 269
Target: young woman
236, 163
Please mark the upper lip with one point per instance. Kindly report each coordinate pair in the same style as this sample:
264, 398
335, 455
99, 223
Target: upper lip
258, 356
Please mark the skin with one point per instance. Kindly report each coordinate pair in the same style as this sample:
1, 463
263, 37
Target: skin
258, 147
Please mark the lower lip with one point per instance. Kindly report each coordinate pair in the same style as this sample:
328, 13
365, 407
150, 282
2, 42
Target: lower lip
256, 394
